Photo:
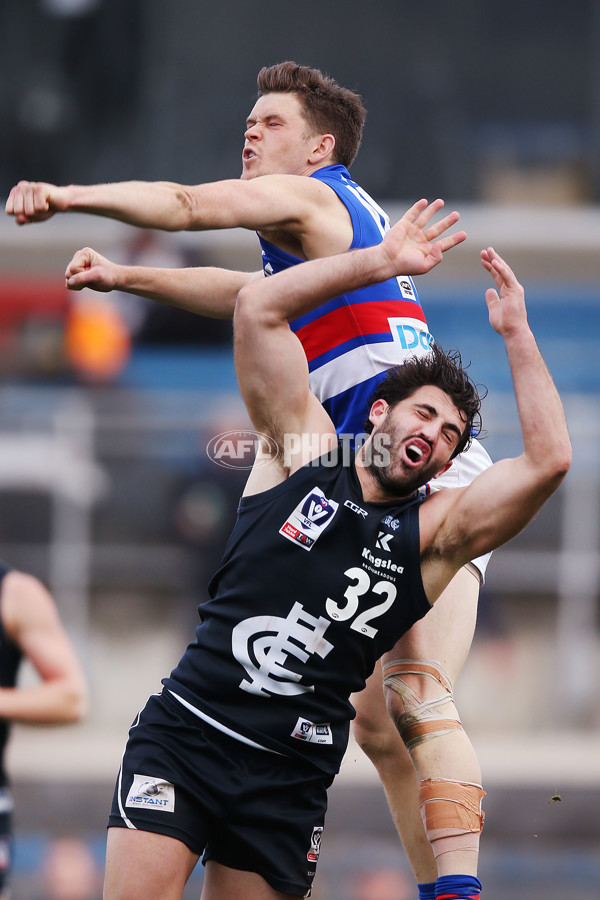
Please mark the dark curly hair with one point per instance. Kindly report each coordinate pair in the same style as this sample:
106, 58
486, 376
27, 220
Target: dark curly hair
444, 370
328, 108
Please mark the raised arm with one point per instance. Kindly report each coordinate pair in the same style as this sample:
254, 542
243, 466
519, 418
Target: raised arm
291, 202
206, 290
502, 500
270, 363
31, 621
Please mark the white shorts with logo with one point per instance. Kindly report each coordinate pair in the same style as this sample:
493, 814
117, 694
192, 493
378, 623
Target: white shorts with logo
464, 469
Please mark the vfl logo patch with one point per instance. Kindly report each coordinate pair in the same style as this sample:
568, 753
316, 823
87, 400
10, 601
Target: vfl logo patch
310, 518
315, 844
311, 733
151, 793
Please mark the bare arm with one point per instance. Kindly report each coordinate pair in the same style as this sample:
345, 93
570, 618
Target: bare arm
31, 620
270, 363
292, 202
503, 499
207, 291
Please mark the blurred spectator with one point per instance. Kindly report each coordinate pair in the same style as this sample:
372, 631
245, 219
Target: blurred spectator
70, 871
205, 510
151, 322
97, 342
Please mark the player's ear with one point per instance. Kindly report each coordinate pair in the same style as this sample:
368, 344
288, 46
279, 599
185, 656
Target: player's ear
378, 411
323, 147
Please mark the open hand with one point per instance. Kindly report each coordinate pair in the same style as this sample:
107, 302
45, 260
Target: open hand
413, 246
506, 302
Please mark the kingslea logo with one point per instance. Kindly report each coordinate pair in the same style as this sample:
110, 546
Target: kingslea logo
241, 449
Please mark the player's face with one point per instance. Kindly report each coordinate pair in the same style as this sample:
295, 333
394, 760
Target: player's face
277, 138
421, 434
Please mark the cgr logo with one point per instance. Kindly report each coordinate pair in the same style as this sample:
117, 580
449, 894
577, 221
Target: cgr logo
241, 449
356, 509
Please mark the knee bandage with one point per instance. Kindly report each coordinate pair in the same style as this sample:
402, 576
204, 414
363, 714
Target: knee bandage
422, 720
452, 814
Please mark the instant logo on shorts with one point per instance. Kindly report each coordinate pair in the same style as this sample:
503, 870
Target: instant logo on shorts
310, 518
311, 733
315, 844
151, 793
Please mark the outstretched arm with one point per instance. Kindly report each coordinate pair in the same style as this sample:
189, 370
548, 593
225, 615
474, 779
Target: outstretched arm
207, 291
31, 621
293, 203
503, 499
270, 363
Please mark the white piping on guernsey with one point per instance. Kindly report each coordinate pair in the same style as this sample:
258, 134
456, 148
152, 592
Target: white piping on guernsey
223, 728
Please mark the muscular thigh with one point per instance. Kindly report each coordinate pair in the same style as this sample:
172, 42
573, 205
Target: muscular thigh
241, 807
445, 634
145, 866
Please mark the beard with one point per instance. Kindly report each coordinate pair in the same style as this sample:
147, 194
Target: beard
396, 478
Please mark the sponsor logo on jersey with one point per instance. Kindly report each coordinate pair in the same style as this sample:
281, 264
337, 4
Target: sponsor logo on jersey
315, 844
154, 793
383, 541
359, 512
311, 733
310, 518
263, 645
410, 334
406, 288
380, 563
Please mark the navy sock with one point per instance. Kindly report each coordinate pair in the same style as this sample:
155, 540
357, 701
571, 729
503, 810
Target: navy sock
427, 891
457, 887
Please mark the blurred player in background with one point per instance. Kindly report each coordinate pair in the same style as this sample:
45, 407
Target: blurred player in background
30, 629
302, 135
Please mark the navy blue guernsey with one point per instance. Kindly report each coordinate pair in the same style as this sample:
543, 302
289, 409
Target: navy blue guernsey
315, 585
10, 658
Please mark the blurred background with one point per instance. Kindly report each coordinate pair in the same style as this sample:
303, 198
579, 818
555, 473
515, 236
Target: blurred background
107, 402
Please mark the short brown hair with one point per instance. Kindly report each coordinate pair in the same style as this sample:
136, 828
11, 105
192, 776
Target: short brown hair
328, 108
443, 370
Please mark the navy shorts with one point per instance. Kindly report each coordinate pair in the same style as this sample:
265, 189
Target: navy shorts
242, 807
